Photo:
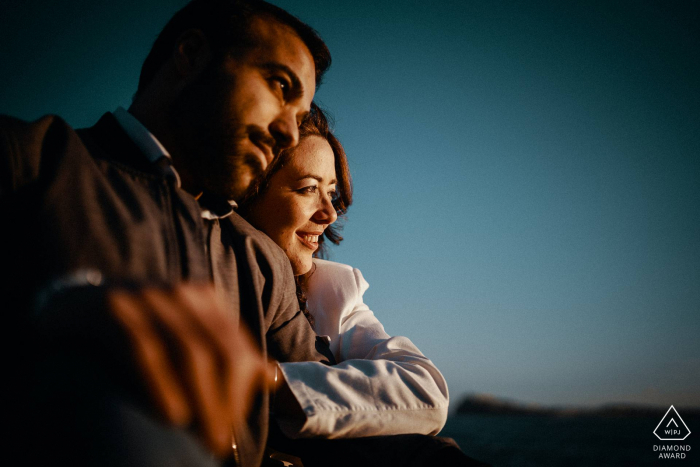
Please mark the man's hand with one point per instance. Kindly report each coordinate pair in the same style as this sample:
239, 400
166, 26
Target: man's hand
197, 365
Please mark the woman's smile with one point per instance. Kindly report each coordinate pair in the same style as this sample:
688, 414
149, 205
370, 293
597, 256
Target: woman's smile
298, 205
310, 240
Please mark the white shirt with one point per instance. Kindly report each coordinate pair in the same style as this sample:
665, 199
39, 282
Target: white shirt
382, 385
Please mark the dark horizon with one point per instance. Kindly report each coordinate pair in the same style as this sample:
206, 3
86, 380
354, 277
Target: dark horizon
473, 403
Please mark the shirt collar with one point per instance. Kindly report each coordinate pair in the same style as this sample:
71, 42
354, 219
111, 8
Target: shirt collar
215, 207
212, 207
144, 139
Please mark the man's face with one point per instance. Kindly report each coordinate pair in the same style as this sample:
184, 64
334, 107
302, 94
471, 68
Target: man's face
243, 110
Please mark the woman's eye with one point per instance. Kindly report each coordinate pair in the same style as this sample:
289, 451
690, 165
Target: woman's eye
308, 190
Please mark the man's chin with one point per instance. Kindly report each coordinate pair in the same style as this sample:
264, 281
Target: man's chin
239, 187
226, 182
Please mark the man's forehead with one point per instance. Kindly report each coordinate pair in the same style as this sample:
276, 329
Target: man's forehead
277, 41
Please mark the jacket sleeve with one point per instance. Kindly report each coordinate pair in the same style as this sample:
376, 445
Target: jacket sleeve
261, 285
289, 335
383, 385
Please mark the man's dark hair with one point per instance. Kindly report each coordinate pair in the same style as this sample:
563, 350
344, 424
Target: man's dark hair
226, 25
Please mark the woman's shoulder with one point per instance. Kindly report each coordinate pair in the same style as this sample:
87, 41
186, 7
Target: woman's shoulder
242, 237
332, 267
337, 276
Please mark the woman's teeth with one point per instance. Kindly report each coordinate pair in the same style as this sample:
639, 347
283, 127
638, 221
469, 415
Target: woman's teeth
310, 238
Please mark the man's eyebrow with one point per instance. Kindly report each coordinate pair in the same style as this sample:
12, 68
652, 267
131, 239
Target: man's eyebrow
297, 86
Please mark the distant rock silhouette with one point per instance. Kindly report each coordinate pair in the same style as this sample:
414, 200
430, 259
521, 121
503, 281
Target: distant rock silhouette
488, 404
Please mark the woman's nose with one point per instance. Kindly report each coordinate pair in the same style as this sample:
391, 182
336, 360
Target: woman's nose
326, 213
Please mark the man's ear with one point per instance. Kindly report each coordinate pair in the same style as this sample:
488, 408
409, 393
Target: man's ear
191, 54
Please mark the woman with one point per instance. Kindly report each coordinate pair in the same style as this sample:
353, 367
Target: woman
382, 385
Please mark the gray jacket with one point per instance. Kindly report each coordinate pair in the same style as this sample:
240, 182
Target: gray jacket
88, 200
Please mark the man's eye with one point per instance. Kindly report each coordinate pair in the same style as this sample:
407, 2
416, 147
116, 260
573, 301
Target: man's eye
281, 84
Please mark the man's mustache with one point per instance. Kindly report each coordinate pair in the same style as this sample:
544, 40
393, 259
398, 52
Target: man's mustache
259, 136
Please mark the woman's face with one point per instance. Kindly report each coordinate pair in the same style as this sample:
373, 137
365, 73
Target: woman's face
297, 206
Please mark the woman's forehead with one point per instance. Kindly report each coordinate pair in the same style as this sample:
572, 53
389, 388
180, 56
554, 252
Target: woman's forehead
313, 154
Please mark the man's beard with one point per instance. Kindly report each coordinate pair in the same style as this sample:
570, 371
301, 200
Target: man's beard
215, 143
225, 167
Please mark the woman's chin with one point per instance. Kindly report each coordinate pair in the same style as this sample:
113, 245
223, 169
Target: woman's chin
301, 266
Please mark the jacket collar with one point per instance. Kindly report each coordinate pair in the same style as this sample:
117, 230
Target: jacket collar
109, 139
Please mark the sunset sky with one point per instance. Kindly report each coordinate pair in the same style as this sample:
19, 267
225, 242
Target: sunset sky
527, 174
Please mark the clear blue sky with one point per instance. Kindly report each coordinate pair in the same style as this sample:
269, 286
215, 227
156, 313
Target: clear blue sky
527, 174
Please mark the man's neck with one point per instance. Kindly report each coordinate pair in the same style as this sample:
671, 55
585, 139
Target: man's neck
158, 122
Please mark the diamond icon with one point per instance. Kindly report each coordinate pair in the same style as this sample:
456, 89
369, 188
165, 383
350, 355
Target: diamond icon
672, 427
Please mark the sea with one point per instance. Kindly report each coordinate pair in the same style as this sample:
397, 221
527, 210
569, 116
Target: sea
539, 440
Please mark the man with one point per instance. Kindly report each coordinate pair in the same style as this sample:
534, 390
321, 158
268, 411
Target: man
116, 237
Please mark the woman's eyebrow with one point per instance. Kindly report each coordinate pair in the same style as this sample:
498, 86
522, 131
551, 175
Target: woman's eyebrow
317, 178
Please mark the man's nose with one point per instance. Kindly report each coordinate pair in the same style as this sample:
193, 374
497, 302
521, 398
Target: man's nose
285, 131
